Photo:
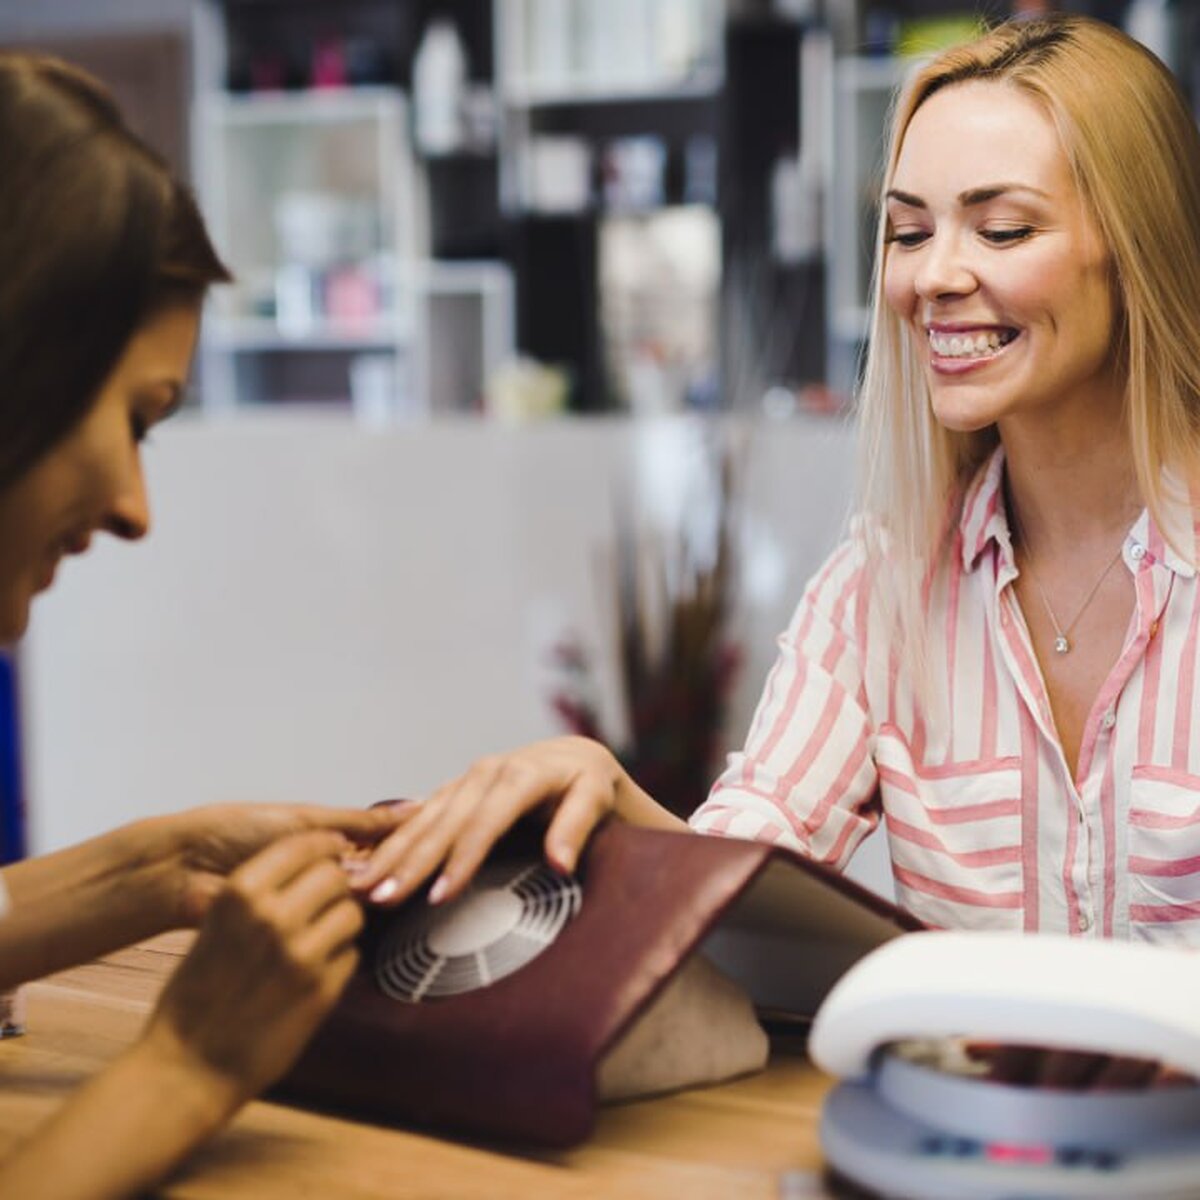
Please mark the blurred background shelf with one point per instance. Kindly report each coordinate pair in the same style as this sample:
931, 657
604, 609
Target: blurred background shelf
534, 94
599, 151
252, 334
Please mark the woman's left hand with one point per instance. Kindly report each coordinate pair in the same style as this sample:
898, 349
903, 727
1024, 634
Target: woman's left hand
208, 843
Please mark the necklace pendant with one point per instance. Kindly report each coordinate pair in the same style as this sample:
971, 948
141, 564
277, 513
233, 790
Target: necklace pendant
1061, 645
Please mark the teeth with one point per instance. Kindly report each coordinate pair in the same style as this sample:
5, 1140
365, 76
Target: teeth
958, 345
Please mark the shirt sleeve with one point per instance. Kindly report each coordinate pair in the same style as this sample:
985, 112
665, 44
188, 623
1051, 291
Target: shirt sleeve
806, 777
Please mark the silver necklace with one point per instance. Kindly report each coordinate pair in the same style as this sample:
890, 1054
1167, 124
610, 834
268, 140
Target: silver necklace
1062, 639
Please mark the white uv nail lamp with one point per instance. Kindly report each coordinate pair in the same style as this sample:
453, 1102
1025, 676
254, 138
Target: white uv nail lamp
913, 1119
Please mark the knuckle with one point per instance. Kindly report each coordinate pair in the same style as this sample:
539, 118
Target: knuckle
236, 897
331, 877
486, 768
257, 915
515, 772
309, 973
352, 916
599, 801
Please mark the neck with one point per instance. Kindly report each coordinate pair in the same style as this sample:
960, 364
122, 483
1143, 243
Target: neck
1070, 487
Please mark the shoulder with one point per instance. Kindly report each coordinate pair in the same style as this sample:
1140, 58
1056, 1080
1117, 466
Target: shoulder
844, 569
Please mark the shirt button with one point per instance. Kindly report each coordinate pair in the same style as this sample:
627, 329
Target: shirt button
1110, 719
1137, 552
1084, 923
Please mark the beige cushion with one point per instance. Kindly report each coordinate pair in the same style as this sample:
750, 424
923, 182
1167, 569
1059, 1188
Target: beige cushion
700, 1029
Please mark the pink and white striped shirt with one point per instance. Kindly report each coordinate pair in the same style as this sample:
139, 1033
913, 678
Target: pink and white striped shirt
986, 828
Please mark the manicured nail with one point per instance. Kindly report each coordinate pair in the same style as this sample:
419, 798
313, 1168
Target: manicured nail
392, 805
437, 893
382, 892
354, 866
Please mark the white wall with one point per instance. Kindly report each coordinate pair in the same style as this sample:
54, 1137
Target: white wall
26, 18
326, 613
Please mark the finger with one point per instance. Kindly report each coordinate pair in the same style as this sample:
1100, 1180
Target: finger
331, 933
310, 893
387, 859
585, 804
362, 824
341, 970
399, 804
427, 850
286, 858
472, 832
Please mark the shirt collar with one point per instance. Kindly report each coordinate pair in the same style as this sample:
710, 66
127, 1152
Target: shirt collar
1182, 520
984, 519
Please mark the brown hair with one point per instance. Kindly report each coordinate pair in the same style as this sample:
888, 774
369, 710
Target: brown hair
96, 234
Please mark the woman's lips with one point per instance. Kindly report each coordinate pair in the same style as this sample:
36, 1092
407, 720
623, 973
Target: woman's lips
46, 578
955, 350
72, 543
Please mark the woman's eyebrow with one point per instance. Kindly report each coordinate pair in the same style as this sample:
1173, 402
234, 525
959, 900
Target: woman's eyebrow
905, 198
982, 195
972, 196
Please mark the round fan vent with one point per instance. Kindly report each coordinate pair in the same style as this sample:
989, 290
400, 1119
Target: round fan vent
505, 919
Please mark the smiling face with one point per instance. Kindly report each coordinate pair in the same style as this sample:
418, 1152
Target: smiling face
994, 264
91, 480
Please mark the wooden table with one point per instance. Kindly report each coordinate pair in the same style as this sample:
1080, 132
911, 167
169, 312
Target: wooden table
752, 1138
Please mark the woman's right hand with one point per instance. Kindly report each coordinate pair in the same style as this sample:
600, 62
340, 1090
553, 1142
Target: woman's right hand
576, 780
272, 956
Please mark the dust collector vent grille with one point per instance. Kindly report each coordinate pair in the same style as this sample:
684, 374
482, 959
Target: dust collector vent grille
508, 916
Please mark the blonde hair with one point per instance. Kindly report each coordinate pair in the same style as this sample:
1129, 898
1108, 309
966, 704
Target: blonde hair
1134, 149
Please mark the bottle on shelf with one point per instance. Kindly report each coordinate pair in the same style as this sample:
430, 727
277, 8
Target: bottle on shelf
439, 85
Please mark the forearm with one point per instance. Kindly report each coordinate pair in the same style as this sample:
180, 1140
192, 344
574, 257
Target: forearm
122, 1131
73, 905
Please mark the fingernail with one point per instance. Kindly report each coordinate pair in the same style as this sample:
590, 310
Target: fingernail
562, 858
382, 892
437, 893
354, 866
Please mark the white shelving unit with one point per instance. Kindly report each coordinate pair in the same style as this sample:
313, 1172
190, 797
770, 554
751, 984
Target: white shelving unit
465, 323
863, 90
315, 199
551, 53
320, 205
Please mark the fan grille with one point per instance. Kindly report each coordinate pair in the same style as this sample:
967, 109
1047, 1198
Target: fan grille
505, 919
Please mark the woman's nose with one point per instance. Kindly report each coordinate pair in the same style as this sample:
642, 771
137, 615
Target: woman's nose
944, 270
129, 513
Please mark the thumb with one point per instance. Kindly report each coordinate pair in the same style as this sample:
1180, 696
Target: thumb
199, 891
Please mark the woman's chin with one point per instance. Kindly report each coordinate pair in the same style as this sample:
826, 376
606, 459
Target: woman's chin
963, 418
14, 615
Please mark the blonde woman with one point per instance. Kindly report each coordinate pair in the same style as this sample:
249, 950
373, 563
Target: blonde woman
1001, 659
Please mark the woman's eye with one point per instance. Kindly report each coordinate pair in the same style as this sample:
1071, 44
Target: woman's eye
908, 237
1003, 237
